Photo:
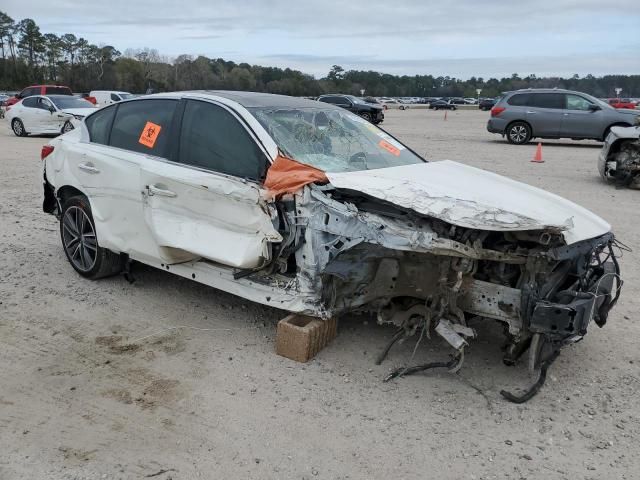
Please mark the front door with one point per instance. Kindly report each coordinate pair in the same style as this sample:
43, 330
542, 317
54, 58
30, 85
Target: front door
580, 119
206, 202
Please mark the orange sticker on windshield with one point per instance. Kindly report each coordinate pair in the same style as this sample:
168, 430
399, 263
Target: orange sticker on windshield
389, 148
149, 134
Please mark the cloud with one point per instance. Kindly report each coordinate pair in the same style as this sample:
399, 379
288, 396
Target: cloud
401, 36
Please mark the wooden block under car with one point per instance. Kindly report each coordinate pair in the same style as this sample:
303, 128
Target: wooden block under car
300, 337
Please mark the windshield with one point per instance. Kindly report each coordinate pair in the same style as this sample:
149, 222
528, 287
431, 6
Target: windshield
71, 102
333, 140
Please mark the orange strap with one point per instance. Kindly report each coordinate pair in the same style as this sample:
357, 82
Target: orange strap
288, 176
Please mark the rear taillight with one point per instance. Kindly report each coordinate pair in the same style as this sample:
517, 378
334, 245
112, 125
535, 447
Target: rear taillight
46, 151
495, 111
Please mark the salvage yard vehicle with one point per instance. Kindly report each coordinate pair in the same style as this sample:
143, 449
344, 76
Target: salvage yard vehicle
372, 112
41, 114
307, 207
107, 97
619, 159
553, 113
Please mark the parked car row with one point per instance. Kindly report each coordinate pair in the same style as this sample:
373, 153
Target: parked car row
50, 109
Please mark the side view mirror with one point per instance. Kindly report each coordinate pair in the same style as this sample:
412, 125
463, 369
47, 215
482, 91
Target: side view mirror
51, 109
594, 108
17, 95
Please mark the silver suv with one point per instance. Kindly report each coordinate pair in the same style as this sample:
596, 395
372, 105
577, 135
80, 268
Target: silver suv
552, 113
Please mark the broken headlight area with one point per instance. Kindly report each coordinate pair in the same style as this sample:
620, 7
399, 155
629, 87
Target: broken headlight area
350, 253
623, 164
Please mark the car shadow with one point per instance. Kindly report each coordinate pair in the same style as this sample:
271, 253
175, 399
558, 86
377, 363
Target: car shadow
549, 143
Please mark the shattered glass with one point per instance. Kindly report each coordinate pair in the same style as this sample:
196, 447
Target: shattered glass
333, 140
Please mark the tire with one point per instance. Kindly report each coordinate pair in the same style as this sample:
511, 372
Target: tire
401, 107
366, 116
67, 127
18, 128
80, 244
518, 133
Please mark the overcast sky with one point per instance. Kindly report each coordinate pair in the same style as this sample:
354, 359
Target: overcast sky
459, 38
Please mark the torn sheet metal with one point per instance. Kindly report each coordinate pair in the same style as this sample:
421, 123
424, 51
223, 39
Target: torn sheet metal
473, 198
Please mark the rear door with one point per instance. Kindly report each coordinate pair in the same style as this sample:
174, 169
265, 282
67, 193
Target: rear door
108, 169
580, 120
207, 203
544, 113
34, 117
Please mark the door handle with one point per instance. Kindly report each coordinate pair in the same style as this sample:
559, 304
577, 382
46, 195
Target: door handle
155, 190
565, 114
87, 167
531, 112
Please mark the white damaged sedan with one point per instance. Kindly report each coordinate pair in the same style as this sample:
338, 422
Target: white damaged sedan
48, 114
304, 206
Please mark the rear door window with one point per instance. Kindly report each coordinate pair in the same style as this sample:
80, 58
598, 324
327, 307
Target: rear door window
519, 100
28, 92
143, 126
115, 97
30, 102
58, 91
547, 100
212, 138
99, 125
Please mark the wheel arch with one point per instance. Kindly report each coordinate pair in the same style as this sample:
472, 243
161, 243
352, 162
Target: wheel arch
519, 120
67, 191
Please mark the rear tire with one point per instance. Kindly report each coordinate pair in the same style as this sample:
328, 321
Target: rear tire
518, 133
80, 243
18, 128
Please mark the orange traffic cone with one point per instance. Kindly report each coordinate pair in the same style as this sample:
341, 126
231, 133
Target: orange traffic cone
537, 158
445, 115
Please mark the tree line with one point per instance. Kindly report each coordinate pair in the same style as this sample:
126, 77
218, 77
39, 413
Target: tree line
29, 56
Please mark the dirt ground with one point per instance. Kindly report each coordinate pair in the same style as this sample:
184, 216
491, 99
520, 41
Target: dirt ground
168, 379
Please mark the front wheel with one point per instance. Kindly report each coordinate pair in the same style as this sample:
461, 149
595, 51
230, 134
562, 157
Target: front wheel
18, 128
67, 127
518, 133
366, 116
80, 244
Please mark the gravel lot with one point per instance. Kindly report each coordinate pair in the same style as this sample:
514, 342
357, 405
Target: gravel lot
86, 394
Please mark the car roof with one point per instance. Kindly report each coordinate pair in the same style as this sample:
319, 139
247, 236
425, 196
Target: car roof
542, 90
246, 99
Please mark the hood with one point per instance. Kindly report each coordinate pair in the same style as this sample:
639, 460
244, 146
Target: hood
79, 111
628, 111
473, 198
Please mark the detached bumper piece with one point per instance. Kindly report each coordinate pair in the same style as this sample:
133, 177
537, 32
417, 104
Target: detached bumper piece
568, 322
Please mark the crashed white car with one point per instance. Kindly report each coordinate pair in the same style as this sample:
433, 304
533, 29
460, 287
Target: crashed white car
47, 114
304, 206
619, 160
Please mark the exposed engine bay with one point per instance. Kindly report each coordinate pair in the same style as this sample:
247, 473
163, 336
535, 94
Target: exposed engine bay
347, 252
620, 157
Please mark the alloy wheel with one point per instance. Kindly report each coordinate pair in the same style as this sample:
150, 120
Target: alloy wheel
518, 133
18, 129
79, 239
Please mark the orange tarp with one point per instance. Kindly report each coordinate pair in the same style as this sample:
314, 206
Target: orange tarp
288, 176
